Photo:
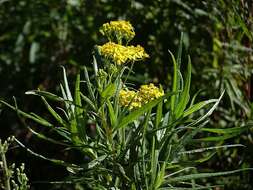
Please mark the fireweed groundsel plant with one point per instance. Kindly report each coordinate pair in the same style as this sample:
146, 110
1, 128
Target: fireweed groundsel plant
144, 138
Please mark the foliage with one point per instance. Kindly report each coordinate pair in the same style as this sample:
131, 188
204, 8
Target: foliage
143, 147
38, 36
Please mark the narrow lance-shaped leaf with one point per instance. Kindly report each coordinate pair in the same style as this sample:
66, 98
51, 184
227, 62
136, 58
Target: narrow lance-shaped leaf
206, 175
210, 148
159, 114
54, 113
80, 120
198, 106
109, 91
77, 95
185, 95
112, 115
29, 116
67, 102
66, 85
210, 111
227, 130
88, 101
217, 138
55, 161
43, 137
45, 94
175, 86
91, 93
67, 94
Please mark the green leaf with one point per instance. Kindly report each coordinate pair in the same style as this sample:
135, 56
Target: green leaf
190, 188
54, 113
175, 86
87, 100
109, 91
227, 130
210, 148
185, 96
95, 65
194, 97
66, 85
79, 116
48, 95
179, 171
210, 111
112, 115
160, 177
29, 116
218, 138
97, 161
154, 163
205, 175
159, 115
77, 94
198, 106
205, 158
41, 136
67, 95
55, 161
89, 85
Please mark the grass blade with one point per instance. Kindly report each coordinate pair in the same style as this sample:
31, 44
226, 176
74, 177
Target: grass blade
206, 175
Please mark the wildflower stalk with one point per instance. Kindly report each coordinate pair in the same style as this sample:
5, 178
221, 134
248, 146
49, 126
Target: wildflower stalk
6, 172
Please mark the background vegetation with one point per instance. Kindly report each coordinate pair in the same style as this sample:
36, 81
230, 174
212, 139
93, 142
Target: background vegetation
36, 37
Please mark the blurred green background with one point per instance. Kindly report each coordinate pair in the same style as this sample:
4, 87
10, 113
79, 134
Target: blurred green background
37, 37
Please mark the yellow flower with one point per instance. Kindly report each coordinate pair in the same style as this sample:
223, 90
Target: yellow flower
120, 54
136, 53
129, 98
150, 92
121, 29
145, 94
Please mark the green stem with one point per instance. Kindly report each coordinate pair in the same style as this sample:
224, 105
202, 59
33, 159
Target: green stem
144, 148
117, 182
128, 74
5, 168
107, 129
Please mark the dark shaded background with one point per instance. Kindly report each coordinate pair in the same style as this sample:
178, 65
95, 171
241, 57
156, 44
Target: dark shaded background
37, 37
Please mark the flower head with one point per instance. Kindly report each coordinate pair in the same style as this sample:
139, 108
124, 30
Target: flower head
150, 92
121, 54
129, 98
120, 29
136, 99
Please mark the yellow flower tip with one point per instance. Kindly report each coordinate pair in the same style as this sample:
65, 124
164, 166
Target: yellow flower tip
120, 54
120, 29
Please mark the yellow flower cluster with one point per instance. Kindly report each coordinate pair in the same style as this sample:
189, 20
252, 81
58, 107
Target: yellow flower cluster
150, 92
129, 98
121, 54
145, 94
120, 29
